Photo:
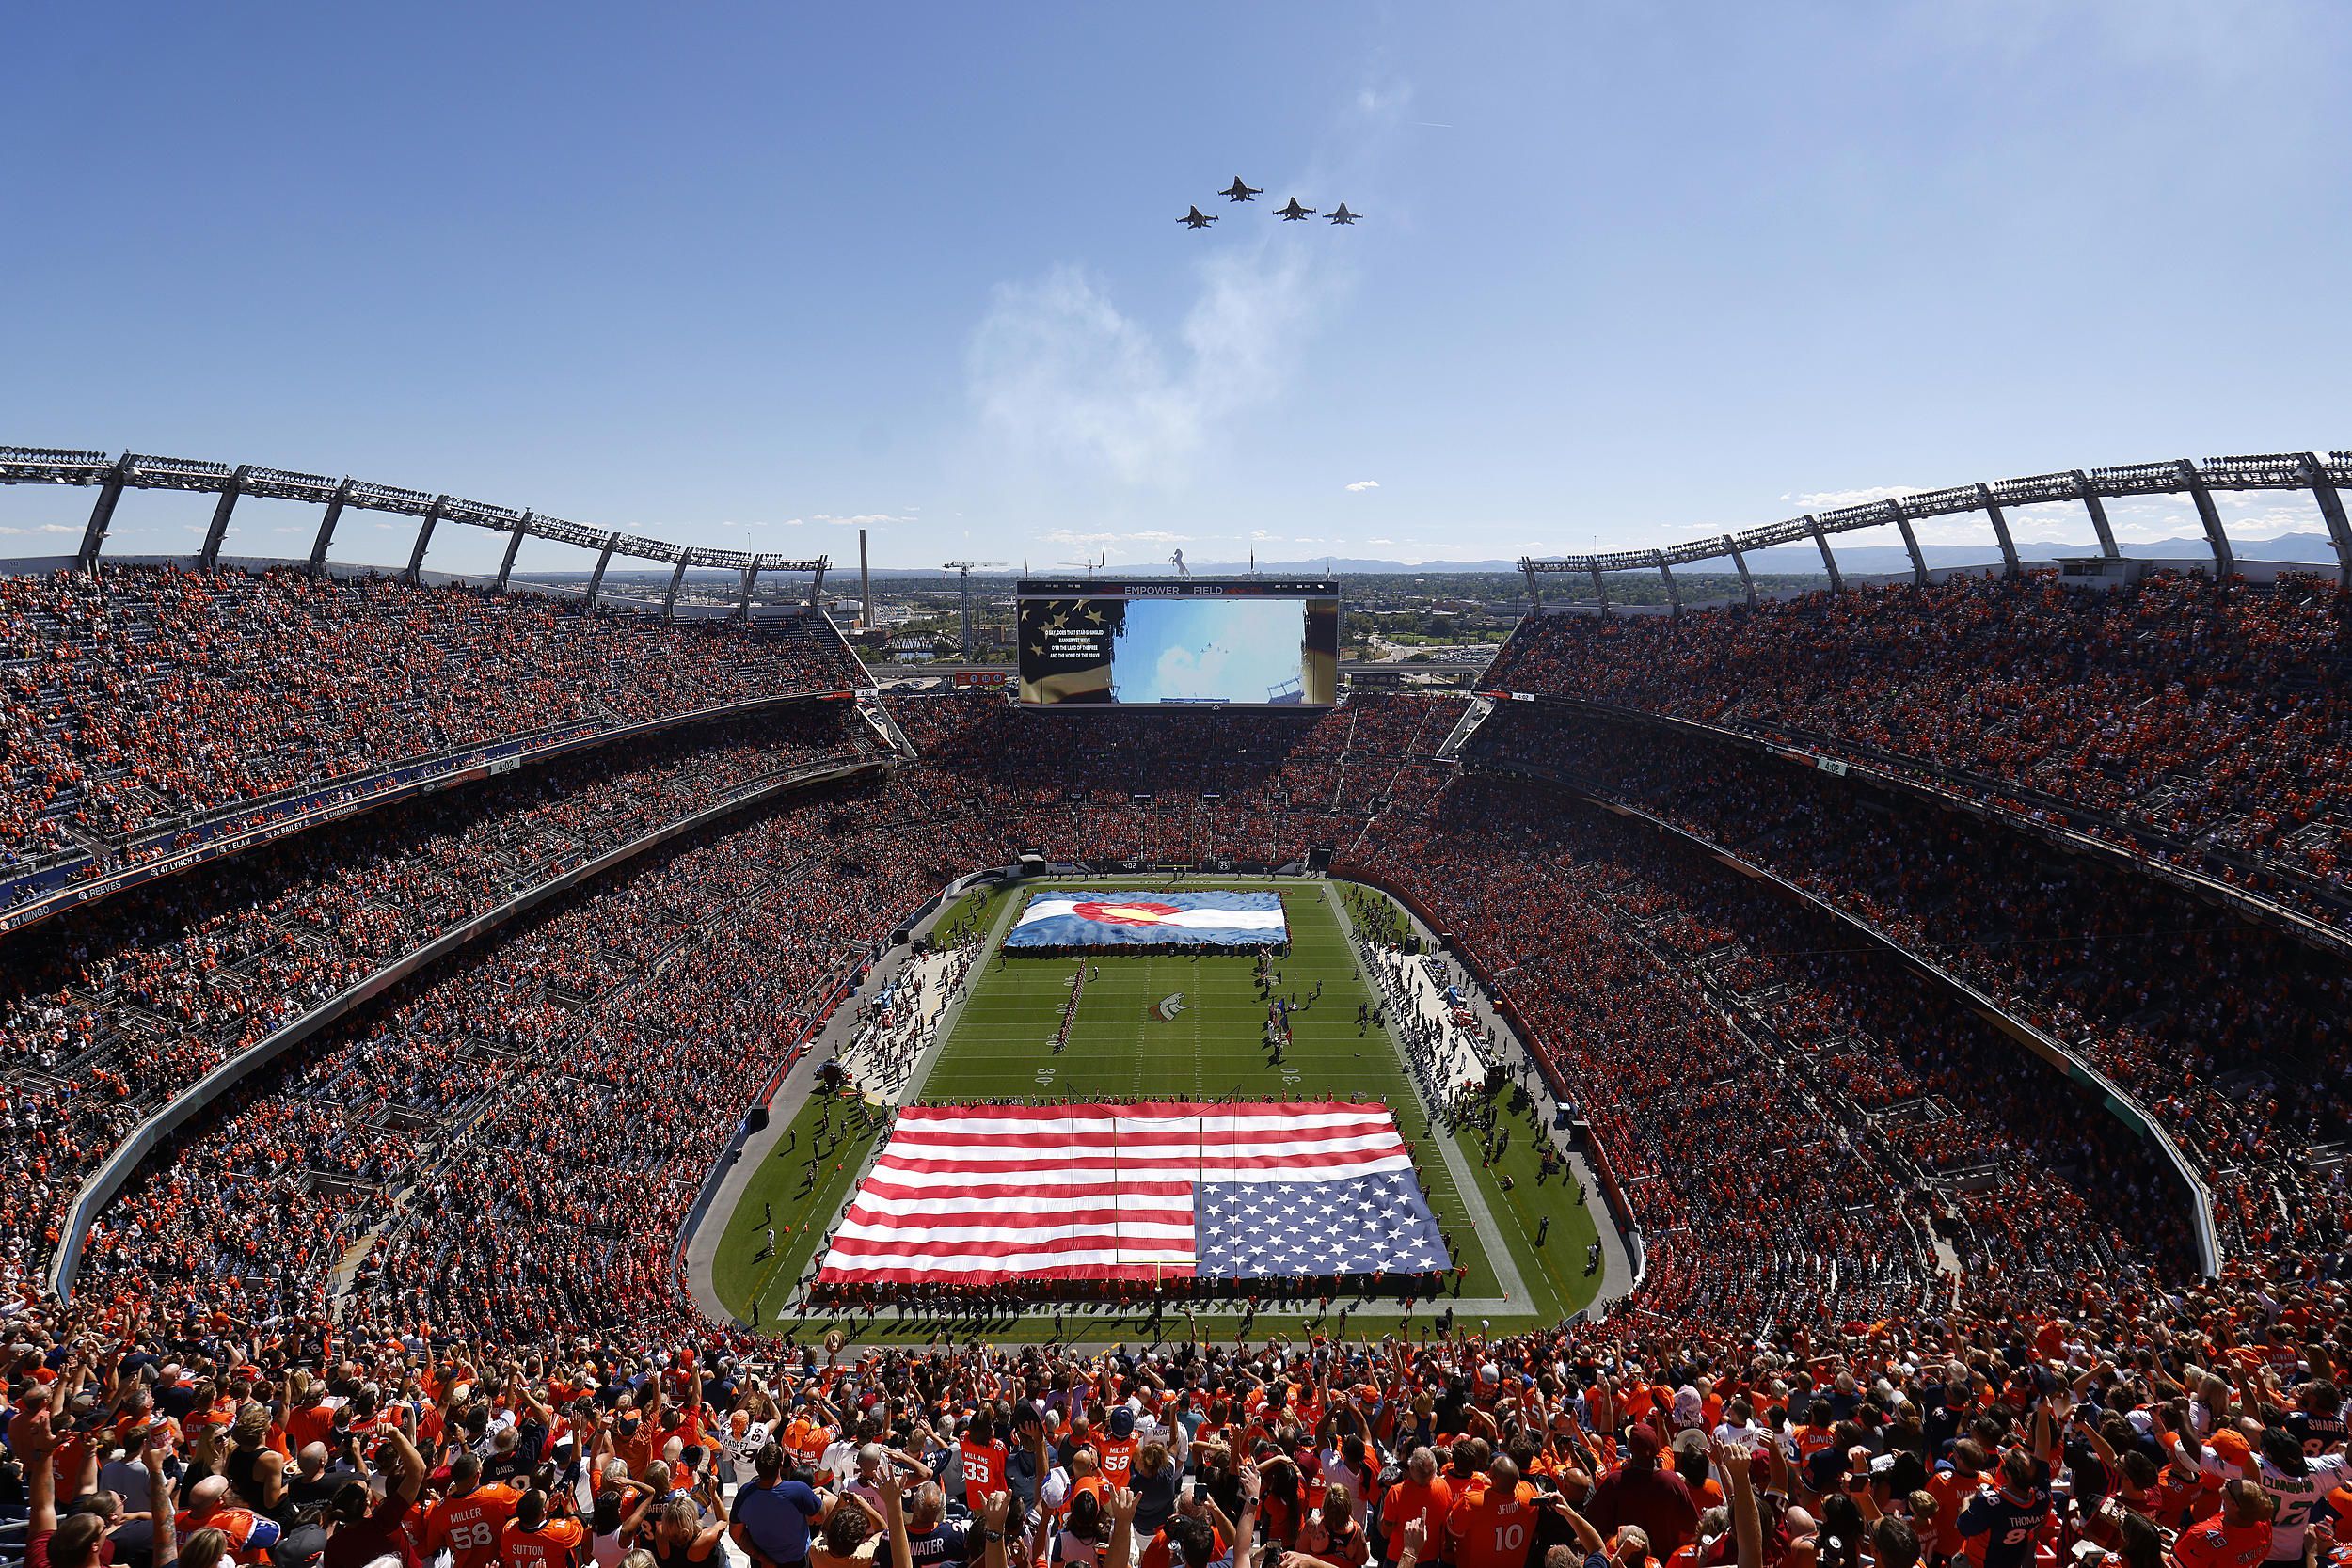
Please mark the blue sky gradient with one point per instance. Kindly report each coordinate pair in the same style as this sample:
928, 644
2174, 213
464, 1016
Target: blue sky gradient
731, 274
1226, 650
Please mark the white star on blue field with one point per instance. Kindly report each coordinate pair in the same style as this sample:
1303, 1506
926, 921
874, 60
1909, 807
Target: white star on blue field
1281, 1229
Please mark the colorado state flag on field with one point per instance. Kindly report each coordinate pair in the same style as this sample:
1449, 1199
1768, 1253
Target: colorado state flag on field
974, 1194
1150, 919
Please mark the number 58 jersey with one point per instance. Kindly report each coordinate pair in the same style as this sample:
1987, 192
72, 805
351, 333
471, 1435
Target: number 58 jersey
469, 1526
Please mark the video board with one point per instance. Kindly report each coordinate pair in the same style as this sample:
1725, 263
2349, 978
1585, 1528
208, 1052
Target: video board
1188, 643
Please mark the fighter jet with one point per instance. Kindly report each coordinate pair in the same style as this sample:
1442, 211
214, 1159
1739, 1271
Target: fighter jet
1195, 219
1292, 212
1239, 192
1340, 215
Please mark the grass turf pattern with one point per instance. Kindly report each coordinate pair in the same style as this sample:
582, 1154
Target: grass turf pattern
1002, 1045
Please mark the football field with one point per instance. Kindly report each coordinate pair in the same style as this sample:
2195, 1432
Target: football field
1004, 1042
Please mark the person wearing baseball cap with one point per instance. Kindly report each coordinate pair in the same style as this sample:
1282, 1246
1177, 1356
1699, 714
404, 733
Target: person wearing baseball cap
1116, 1452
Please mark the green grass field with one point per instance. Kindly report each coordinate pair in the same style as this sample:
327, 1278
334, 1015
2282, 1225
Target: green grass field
1003, 1044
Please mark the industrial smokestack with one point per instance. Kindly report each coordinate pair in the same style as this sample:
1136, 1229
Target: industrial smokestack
864, 581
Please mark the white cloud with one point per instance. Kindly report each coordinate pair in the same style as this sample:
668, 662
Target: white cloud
1365, 485
1058, 372
1262, 537
1830, 501
1379, 541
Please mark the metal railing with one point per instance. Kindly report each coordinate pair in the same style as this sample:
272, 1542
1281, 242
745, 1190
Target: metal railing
2324, 476
112, 475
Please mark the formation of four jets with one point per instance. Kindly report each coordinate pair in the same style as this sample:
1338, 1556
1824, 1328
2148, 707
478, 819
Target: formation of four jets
1237, 190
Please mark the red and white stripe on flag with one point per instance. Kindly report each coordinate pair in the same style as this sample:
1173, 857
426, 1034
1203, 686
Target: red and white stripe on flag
972, 1194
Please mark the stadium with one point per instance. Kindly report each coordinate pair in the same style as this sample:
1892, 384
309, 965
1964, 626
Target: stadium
1675, 897
1061, 886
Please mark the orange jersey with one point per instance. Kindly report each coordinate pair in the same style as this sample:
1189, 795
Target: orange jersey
2217, 1545
1407, 1501
1810, 1441
1951, 1492
983, 1470
554, 1545
310, 1424
1491, 1529
636, 1447
68, 1457
806, 1440
1119, 1456
469, 1526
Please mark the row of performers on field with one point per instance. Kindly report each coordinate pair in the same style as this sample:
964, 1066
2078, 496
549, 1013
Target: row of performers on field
1257, 1292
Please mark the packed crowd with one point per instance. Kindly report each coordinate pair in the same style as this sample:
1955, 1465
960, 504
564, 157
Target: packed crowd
2201, 1429
1259, 788
110, 1010
1710, 1036
714, 960
148, 693
2233, 1037
2181, 713
1893, 1134
1842, 1185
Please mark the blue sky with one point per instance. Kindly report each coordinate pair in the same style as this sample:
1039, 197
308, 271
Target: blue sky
1234, 650
1627, 272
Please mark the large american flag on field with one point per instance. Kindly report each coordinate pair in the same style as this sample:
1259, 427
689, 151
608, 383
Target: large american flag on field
975, 1194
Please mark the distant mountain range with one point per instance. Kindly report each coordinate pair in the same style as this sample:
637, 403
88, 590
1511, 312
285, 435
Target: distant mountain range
1784, 559
1316, 568
1780, 559
2313, 548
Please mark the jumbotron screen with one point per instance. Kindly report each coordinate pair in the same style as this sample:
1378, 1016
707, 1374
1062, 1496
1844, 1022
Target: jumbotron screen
1199, 642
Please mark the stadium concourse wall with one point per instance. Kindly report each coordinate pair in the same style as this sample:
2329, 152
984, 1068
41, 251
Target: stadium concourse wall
109, 1178
62, 883
2118, 1101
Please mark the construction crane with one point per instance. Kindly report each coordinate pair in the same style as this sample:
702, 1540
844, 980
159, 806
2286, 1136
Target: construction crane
964, 569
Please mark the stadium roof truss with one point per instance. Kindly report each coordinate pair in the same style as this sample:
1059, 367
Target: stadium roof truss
2324, 477
112, 475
